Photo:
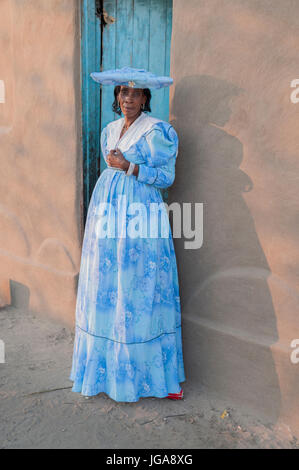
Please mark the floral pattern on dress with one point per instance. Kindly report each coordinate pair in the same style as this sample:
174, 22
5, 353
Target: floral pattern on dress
128, 341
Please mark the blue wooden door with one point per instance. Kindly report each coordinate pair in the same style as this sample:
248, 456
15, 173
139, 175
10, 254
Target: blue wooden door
116, 33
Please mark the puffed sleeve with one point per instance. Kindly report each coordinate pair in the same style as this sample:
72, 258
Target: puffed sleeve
159, 149
104, 143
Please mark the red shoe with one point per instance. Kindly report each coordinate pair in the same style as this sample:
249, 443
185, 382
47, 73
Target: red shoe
176, 396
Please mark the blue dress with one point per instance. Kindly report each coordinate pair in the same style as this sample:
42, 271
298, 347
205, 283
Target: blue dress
128, 341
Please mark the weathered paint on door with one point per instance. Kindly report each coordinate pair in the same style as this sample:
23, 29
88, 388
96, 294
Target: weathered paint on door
116, 33
91, 43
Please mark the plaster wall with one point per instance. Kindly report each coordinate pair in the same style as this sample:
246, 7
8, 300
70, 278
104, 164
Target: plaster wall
41, 161
233, 63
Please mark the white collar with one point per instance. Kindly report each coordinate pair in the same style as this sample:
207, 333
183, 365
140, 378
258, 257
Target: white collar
141, 125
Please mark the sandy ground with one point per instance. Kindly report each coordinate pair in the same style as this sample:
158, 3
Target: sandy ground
38, 409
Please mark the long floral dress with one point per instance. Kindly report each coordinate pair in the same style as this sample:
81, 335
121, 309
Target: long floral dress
128, 340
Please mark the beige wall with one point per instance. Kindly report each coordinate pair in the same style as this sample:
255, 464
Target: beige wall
232, 62
41, 189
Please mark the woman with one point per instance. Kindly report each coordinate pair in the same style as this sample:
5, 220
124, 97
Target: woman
128, 322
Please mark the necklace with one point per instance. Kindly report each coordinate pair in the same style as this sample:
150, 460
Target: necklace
125, 128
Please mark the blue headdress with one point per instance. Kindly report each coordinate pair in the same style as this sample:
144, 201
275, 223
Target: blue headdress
131, 77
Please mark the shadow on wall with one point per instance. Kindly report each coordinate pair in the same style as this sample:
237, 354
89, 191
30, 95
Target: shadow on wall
230, 322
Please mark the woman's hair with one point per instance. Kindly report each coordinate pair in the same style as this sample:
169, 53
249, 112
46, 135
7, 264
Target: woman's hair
116, 108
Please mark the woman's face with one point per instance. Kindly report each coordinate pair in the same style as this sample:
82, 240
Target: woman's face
130, 100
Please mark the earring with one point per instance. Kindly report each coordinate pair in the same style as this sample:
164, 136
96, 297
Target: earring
142, 106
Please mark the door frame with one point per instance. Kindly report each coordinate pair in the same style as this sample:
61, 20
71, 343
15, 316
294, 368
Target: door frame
91, 58
93, 19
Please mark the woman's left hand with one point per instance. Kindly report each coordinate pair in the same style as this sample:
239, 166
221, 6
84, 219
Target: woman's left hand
116, 159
